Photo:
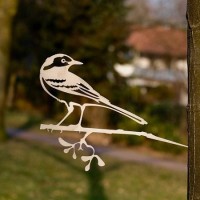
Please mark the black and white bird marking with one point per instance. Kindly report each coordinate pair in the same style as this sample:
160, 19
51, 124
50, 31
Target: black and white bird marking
55, 73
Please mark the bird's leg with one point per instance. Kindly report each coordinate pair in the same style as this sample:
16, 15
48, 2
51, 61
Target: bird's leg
81, 116
70, 110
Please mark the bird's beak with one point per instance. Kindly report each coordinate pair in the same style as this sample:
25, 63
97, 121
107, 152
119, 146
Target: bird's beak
74, 62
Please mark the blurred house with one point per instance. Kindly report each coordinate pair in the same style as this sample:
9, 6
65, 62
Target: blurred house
159, 57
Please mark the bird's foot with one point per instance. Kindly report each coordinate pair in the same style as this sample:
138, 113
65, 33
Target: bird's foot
74, 127
51, 128
78, 127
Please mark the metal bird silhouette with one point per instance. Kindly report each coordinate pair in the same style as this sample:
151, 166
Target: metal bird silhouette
55, 73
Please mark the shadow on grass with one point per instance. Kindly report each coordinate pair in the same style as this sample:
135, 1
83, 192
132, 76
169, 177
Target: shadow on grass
94, 176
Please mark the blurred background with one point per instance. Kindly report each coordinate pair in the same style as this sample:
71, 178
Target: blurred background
134, 54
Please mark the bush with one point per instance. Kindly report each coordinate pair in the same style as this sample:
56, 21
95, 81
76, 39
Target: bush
129, 140
167, 131
165, 121
166, 112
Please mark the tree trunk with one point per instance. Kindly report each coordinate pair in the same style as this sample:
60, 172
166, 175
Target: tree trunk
7, 11
193, 14
11, 90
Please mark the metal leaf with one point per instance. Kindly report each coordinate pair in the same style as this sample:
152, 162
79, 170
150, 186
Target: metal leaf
64, 143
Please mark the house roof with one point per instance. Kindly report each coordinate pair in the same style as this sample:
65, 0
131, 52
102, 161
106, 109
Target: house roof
160, 40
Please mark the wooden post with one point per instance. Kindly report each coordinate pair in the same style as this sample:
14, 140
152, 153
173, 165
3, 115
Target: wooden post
193, 16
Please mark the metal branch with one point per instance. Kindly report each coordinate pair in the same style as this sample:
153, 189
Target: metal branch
106, 131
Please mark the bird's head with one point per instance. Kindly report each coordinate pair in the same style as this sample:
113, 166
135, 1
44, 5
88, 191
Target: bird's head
59, 60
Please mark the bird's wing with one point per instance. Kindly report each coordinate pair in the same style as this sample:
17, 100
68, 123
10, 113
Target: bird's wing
76, 88
87, 91
86, 88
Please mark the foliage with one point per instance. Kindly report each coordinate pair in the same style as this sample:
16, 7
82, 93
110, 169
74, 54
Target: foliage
129, 139
165, 120
168, 131
90, 31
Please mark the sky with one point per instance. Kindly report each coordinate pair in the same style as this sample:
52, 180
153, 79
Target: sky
169, 11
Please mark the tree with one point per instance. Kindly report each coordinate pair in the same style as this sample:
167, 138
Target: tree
7, 10
194, 99
90, 31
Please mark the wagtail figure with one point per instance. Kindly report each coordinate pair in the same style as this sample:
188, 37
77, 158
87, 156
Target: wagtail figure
55, 73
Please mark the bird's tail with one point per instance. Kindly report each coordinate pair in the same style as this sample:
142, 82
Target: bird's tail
125, 112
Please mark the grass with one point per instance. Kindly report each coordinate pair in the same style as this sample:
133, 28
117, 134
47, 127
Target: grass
32, 171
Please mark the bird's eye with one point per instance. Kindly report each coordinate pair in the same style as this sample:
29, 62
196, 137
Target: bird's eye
63, 61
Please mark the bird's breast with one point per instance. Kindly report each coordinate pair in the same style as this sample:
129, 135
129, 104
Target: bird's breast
55, 73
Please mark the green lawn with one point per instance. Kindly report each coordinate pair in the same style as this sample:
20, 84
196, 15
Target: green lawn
33, 171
